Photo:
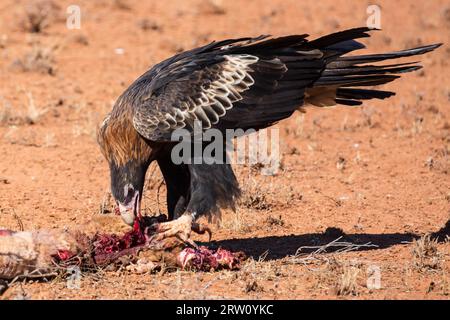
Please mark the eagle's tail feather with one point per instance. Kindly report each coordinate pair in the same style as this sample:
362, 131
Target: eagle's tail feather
343, 62
292, 70
343, 73
353, 97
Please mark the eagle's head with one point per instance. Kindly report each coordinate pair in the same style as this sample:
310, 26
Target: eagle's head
129, 156
127, 184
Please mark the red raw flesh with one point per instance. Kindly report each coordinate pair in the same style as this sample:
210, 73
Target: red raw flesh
64, 255
107, 248
4, 233
103, 249
204, 259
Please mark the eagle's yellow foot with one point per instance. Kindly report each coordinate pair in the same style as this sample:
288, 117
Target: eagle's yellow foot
181, 228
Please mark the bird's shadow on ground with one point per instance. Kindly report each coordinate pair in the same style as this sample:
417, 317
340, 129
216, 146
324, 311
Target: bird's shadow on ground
278, 247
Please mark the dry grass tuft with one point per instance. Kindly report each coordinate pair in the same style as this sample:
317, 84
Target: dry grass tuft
342, 277
341, 163
38, 15
275, 221
331, 272
254, 200
107, 205
147, 24
88, 125
235, 222
426, 255
5, 112
33, 113
254, 196
253, 286
345, 277
38, 59
122, 4
257, 274
440, 286
81, 39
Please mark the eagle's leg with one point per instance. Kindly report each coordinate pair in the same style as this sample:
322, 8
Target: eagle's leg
194, 190
182, 228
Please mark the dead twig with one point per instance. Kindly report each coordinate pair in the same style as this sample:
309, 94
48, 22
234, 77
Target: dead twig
18, 219
318, 254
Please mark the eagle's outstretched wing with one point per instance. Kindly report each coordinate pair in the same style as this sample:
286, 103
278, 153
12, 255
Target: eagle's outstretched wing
255, 82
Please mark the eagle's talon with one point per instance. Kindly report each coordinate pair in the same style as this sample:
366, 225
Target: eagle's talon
202, 229
191, 243
180, 228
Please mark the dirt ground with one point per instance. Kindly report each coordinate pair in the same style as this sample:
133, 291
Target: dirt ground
379, 174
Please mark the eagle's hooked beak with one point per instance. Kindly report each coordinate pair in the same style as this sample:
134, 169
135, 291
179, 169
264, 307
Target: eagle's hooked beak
130, 211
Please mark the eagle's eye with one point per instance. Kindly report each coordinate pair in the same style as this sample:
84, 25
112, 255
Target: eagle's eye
128, 193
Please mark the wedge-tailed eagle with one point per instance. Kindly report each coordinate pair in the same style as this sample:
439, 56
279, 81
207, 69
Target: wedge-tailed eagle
238, 83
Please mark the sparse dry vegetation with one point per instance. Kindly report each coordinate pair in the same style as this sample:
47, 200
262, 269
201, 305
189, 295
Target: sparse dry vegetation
254, 193
122, 4
29, 114
256, 200
107, 204
147, 24
426, 255
81, 39
39, 59
253, 286
38, 15
236, 222
5, 111
256, 272
88, 124
331, 271
343, 276
33, 113
275, 221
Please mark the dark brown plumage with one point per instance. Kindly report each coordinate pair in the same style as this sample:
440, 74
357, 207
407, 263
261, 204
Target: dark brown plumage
242, 83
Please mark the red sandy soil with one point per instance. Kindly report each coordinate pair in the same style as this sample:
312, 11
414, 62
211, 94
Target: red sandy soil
394, 185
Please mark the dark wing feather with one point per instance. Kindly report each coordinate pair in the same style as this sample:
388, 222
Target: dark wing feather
255, 82
242, 85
